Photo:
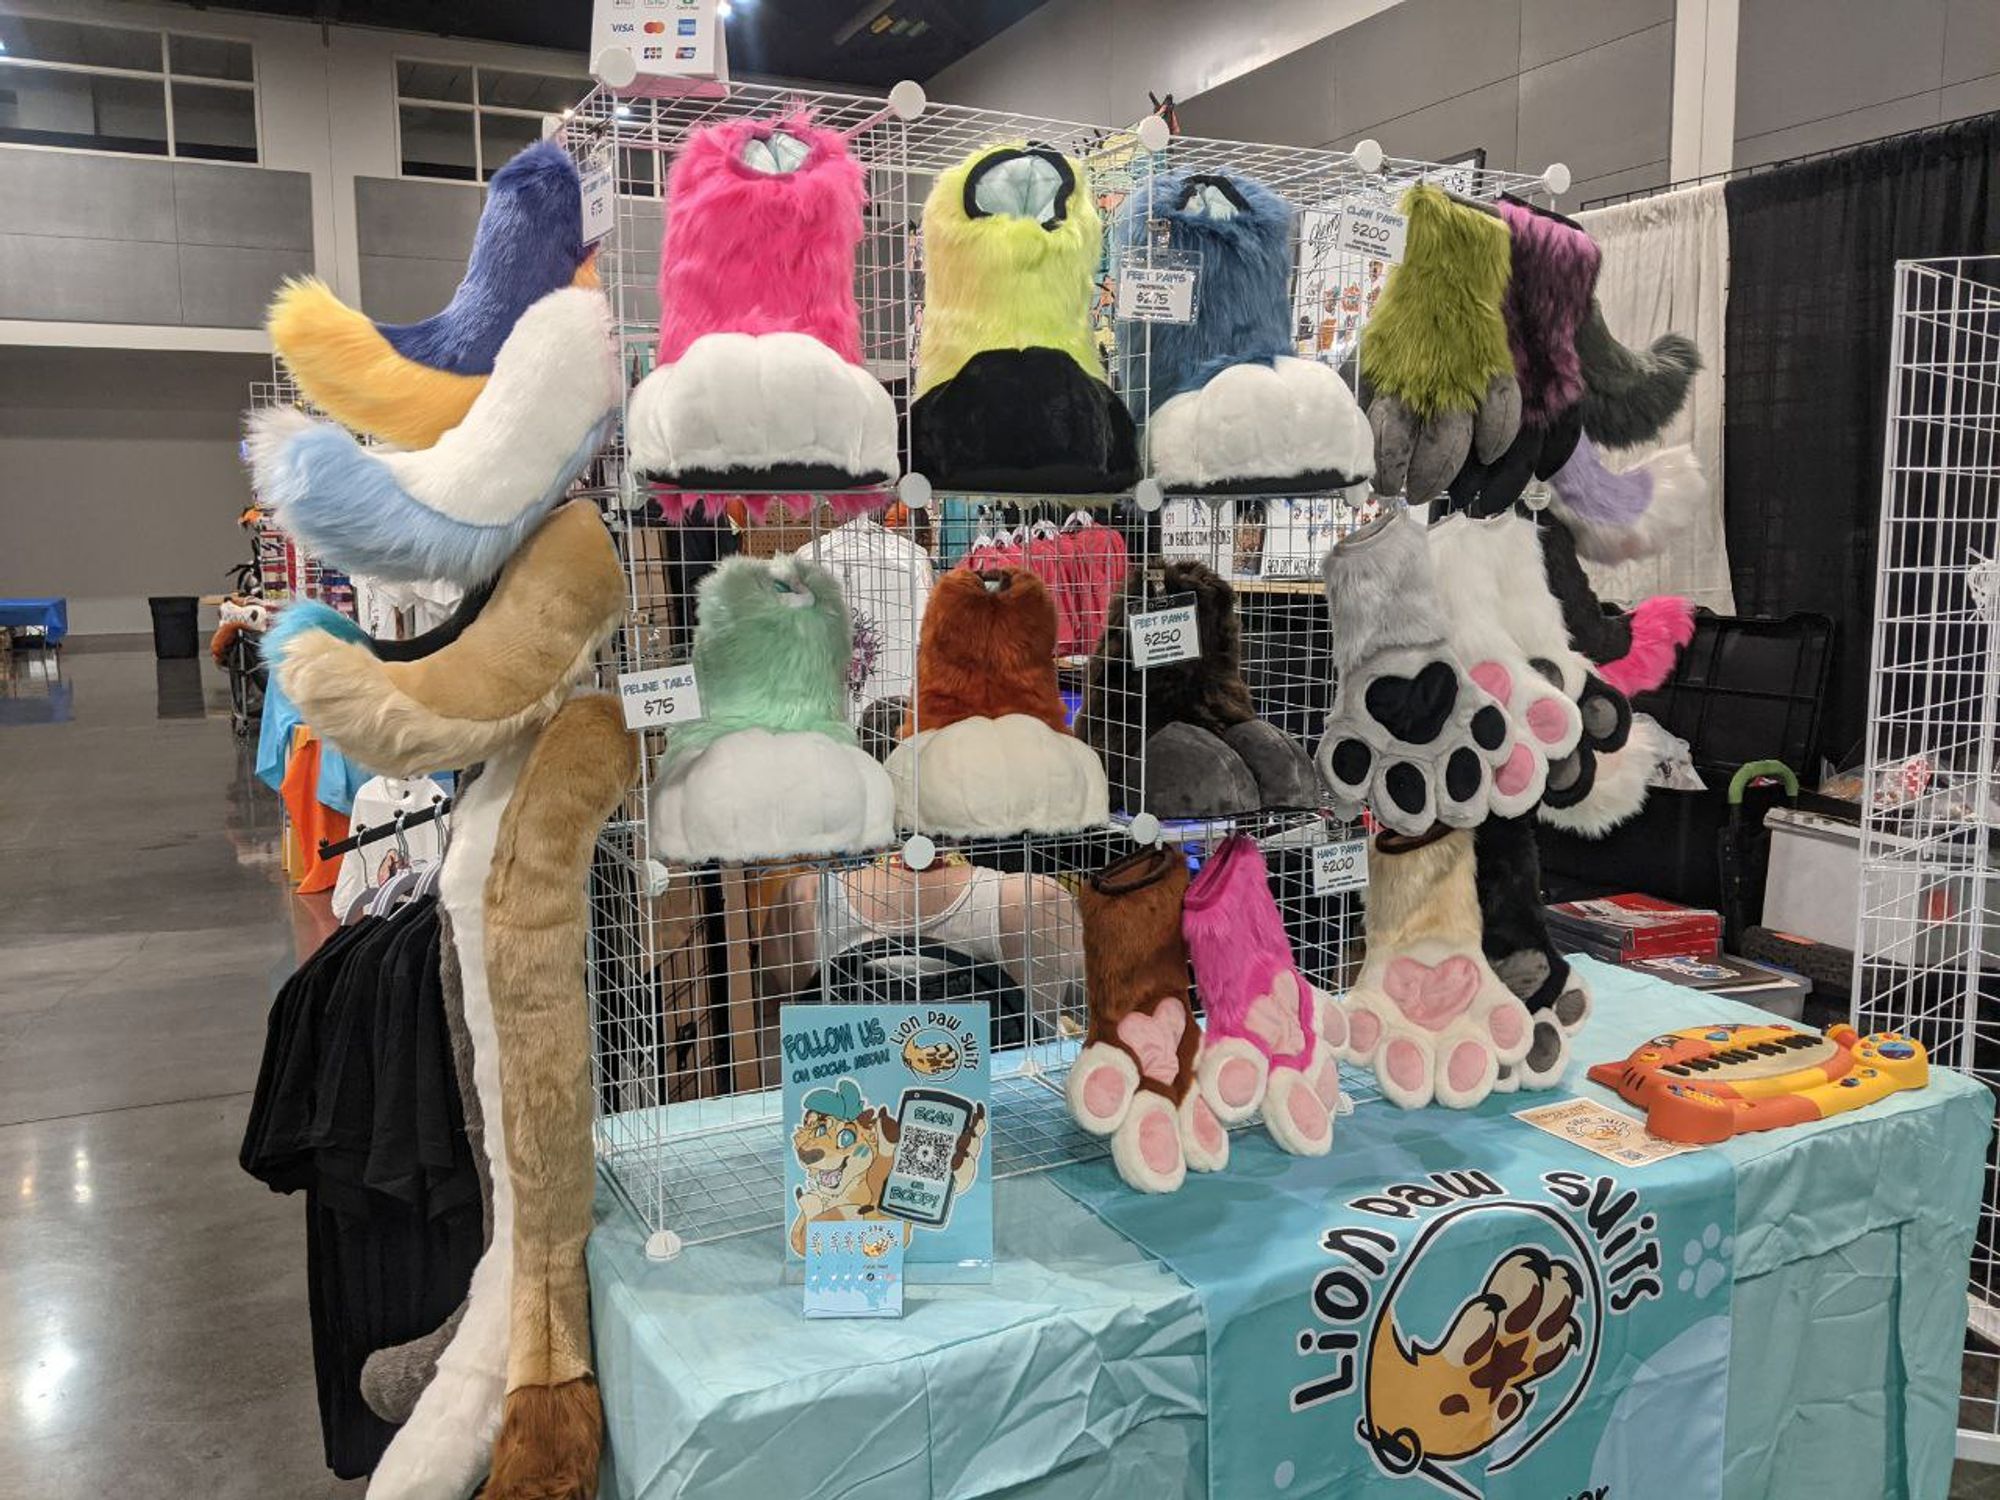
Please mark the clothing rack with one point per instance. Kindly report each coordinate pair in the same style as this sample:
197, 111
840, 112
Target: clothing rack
1632, 195
368, 835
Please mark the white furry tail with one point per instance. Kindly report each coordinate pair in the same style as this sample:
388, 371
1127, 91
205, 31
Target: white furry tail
1680, 493
443, 1451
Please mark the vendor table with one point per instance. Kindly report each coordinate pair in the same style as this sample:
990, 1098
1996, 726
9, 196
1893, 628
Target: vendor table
49, 616
1081, 1371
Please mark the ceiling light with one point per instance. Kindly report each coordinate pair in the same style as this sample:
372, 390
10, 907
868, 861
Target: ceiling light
724, 10
623, 111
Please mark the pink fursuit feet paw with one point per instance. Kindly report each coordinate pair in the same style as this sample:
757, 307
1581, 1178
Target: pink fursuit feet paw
1263, 1046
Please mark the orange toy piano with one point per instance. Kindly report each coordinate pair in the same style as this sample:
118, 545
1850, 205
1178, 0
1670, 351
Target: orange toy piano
1708, 1083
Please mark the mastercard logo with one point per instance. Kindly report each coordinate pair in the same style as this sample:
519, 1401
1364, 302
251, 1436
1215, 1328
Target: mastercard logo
654, 28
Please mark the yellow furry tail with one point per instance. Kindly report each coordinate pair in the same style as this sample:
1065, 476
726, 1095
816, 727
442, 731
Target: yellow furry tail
347, 369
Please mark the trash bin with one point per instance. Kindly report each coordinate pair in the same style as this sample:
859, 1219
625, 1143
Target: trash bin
174, 633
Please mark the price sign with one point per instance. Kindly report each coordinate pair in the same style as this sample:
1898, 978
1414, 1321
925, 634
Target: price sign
1340, 867
598, 204
1157, 294
1163, 635
667, 695
1373, 232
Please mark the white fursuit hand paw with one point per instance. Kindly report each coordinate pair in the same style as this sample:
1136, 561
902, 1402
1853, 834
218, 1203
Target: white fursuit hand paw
1416, 740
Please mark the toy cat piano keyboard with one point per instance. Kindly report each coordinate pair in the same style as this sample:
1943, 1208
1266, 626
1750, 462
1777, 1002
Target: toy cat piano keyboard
1708, 1083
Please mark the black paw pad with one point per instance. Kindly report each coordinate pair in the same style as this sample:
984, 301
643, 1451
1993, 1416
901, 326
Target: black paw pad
1351, 760
1489, 728
1405, 785
1414, 709
1461, 775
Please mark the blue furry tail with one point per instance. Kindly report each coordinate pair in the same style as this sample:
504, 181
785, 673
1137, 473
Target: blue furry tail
349, 507
302, 618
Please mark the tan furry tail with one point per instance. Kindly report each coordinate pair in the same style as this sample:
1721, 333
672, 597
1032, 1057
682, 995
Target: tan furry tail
549, 1443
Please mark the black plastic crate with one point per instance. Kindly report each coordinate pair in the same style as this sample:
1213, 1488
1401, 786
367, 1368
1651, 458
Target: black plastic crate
1746, 688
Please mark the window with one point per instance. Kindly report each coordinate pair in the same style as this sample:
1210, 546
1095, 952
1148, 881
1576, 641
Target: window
117, 88
463, 123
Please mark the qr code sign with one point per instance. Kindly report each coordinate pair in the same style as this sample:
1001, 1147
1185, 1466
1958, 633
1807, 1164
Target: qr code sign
926, 1153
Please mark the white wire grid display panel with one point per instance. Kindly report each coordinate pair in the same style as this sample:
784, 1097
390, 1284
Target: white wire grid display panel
285, 570
1927, 954
686, 979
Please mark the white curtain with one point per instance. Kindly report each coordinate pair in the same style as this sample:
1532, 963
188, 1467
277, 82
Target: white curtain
1666, 269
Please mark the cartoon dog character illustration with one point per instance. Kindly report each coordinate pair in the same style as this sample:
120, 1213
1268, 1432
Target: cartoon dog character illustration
848, 1149
1443, 1402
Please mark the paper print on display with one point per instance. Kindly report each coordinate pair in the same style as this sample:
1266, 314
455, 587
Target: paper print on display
1334, 293
854, 1271
1603, 1131
886, 1114
1191, 527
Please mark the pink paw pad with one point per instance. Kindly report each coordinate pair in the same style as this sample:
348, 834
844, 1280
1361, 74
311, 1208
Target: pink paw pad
1236, 1082
1207, 1129
1364, 1030
1507, 1025
1104, 1092
1495, 678
1159, 1147
1517, 774
1547, 721
1308, 1112
1466, 1066
1405, 1064
1326, 1082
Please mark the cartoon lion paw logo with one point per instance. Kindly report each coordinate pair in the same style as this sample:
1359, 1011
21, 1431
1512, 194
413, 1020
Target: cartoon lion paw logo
1445, 1401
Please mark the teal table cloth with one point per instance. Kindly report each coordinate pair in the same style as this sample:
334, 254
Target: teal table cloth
1081, 1370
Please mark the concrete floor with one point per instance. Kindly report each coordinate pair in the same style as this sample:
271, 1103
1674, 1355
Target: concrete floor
153, 1335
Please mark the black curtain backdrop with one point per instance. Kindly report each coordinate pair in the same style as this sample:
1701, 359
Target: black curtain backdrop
1812, 254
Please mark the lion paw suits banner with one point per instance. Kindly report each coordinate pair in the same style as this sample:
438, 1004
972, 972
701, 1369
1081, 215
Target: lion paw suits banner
1452, 1304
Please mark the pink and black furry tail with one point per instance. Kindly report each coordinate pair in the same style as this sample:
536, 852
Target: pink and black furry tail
1619, 517
1660, 627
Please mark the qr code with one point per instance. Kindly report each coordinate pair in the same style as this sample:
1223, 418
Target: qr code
925, 1153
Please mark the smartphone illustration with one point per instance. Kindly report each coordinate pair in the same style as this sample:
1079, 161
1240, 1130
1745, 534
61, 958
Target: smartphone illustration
929, 1123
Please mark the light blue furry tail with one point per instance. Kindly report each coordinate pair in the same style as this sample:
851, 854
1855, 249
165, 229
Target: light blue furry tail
346, 504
